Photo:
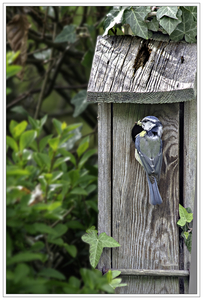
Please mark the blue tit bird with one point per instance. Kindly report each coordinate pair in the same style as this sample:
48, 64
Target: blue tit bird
148, 152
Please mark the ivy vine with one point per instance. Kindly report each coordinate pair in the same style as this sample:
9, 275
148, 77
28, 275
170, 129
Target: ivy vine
176, 22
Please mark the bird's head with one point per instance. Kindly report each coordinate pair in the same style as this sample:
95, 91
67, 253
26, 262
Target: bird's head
151, 123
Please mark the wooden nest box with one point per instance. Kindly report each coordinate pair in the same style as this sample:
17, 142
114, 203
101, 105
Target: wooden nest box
132, 78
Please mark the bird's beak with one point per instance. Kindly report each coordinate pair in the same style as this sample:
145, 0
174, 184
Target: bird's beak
139, 123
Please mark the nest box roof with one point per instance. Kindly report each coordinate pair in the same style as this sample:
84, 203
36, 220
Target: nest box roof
130, 69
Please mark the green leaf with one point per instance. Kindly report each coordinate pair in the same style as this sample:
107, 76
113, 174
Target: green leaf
52, 273
34, 123
188, 242
12, 143
43, 228
20, 110
184, 216
169, 24
186, 29
80, 102
19, 129
71, 142
12, 125
59, 161
58, 126
21, 271
83, 146
192, 10
54, 143
25, 256
169, 11
186, 234
71, 249
78, 191
15, 170
135, 18
12, 70
114, 17
153, 24
11, 56
97, 243
8, 91
26, 139
43, 142
75, 225
42, 159
68, 34
67, 154
108, 241
85, 157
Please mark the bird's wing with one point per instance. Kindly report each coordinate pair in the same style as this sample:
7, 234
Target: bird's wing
151, 163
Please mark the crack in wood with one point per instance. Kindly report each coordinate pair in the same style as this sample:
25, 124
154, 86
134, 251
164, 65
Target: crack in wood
142, 56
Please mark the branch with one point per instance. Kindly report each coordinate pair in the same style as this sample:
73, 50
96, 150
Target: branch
45, 80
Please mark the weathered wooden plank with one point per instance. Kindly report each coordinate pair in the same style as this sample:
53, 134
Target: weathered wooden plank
190, 165
132, 70
148, 285
144, 272
104, 177
149, 238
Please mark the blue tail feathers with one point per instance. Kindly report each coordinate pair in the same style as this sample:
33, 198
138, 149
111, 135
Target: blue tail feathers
155, 197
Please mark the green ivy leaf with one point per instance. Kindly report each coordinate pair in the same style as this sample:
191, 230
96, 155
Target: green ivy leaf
184, 216
97, 243
153, 24
169, 24
80, 102
114, 17
192, 10
68, 34
186, 29
26, 139
135, 18
44, 54
169, 11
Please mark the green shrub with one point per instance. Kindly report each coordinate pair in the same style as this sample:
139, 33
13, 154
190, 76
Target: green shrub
51, 200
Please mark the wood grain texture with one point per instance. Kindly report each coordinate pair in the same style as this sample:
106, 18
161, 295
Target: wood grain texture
190, 165
132, 70
148, 234
104, 178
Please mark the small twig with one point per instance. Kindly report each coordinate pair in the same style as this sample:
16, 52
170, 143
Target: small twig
45, 19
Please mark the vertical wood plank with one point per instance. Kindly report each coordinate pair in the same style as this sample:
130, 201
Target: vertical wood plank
190, 165
104, 178
148, 234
